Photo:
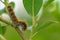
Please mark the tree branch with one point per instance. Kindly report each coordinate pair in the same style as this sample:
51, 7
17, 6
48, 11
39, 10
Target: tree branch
17, 29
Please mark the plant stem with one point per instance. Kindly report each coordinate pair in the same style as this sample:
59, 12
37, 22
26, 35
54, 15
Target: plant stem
3, 20
33, 17
33, 20
2, 37
21, 34
17, 29
2, 1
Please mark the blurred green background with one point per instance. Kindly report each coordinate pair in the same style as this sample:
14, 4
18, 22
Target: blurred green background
48, 25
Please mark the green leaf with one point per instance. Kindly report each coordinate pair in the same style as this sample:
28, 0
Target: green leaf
32, 6
43, 25
2, 11
48, 32
13, 4
2, 29
5, 2
56, 12
52, 32
48, 2
11, 34
47, 15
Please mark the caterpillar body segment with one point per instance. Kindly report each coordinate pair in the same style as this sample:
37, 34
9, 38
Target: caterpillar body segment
14, 19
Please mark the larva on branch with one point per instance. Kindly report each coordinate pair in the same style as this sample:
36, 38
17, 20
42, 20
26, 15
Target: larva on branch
14, 19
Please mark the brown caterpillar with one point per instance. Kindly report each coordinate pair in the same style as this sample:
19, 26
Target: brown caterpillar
14, 19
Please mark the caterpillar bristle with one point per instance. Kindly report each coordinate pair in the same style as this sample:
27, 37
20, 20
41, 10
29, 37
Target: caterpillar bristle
14, 18
24, 25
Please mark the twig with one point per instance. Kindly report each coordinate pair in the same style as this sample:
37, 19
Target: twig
17, 29
34, 34
3, 20
33, 20
3, 38
22, 35
2, 1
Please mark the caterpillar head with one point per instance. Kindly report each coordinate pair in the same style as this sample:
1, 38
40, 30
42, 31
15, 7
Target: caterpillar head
9, 8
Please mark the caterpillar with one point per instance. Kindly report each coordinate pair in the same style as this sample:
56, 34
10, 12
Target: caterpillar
14, 19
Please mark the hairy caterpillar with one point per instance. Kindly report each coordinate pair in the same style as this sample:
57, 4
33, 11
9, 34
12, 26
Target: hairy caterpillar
14, 19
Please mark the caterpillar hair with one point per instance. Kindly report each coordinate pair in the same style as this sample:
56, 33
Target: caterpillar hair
14, 19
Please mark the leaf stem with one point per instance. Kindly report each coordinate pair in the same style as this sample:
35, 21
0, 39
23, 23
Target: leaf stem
33, 19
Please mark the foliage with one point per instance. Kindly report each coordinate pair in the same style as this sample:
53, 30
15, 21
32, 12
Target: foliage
45, 26
2, 29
